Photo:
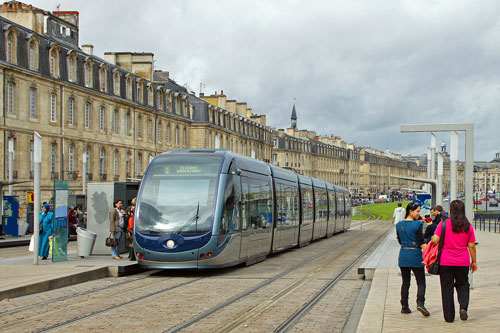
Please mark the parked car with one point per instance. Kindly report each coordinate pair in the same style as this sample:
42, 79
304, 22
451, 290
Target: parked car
493, 203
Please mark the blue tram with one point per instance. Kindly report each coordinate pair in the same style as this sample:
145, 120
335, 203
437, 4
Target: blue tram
214, 208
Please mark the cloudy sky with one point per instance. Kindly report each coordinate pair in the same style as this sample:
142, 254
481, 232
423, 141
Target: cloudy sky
357, 69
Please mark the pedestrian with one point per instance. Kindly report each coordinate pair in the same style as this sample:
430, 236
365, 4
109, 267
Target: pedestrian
429, 231
45, 231
409, 234
458, 245
130, 229
82, 223
399, 214
116, 223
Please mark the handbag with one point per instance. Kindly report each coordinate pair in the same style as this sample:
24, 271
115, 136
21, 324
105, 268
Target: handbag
111, 242
434, 267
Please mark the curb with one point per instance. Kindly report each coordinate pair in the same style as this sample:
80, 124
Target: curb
70, 279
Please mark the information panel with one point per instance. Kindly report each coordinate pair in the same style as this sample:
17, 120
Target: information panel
10, 215
60, 238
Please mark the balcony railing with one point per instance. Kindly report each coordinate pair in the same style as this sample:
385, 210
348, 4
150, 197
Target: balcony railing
72, 175
116, 178
54, 175
89, 176
32, 174
103, 176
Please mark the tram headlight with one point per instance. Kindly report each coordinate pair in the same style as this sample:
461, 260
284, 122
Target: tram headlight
170, 244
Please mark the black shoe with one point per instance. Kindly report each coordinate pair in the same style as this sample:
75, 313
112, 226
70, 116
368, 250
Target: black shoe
463, 314
405, 309
44, 258
423, 310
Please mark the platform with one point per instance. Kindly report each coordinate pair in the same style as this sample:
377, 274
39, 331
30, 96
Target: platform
19, 276
382, 310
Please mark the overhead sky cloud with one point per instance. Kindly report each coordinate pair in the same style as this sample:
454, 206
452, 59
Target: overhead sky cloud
358, 69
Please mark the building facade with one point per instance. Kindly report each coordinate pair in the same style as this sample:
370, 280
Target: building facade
118, 111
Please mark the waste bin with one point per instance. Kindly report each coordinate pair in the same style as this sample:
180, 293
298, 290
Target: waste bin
84, 242
22, 227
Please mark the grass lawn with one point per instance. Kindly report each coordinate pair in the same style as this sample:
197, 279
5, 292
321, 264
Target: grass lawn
384, 210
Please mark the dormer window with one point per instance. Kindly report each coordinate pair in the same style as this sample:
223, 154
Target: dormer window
71, 59
11, 45
87, 73
116, 82
54, 61
103, 77
33, 54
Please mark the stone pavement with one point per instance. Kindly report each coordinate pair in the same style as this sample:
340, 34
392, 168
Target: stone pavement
382, 311
19, 276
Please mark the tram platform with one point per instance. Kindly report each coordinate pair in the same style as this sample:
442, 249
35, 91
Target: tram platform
382, 310
20, 277
11, 241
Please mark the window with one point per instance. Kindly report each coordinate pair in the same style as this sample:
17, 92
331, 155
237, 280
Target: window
159, 100
176, 136
158, 132
54, 61
115, 163
127, 123
150, 95
10, 97
71, 156
168, 134
115, 122
87, 73
71, 111
32, 102
184, 136
33, 55
139, 97
87, 152
127, 164
101, 118
139, 163
11, 46
103, 76
150, 129
71, 68
53, 102
139, 126
101, 161
87, 115
116, 82
53, 150
128, 86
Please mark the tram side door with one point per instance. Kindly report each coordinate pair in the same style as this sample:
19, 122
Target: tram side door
243, 206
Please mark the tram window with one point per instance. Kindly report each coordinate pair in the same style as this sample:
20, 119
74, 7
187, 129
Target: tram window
230, 218
259, 203
320, 203
348, 207
331, 200
292, 207
307, 204
244, 205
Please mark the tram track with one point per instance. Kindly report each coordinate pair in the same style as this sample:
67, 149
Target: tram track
273, 299
64, 298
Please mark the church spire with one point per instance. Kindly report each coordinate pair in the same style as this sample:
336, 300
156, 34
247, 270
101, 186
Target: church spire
294, 117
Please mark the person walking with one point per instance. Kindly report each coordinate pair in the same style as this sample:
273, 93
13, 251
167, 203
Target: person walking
115, 225
458, 245
409, 234
45, 231
399, 214
129, 212
429, 231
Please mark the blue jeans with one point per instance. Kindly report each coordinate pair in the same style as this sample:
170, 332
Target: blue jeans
115, 250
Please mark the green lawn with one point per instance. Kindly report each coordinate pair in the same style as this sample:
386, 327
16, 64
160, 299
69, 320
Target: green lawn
384, 210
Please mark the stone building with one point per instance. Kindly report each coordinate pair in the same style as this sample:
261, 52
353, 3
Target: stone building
118, 111
487, 175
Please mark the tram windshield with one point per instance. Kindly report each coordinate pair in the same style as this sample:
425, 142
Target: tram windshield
178, 195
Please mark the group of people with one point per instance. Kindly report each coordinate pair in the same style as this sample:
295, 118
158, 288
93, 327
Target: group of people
458, 255
121, 222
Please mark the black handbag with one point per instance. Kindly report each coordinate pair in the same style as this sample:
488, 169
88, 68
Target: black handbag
111, 242
434, 267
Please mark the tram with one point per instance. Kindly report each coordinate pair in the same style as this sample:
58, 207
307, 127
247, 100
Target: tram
212, 208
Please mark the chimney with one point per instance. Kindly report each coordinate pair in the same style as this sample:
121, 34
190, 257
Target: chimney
110, 57
222, 92
89, 49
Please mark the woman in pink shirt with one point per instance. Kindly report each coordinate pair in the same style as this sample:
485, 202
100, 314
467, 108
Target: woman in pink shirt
459, 243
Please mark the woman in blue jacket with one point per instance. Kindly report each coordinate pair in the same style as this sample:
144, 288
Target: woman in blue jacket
46, 231
411, 238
